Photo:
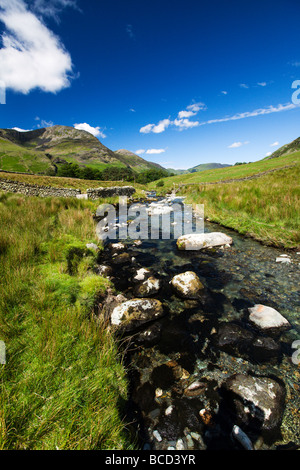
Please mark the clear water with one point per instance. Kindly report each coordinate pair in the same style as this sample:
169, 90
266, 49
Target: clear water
235, 278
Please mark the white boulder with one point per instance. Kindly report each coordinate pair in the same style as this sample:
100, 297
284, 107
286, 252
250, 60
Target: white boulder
267, 318
198, 241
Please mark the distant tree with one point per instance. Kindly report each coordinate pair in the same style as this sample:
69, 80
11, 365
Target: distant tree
69, 170
151, 175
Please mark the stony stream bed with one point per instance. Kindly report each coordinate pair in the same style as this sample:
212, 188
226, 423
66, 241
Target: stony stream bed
188, 368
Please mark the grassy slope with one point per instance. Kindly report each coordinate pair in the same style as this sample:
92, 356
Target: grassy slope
16, 158
239, 171
63, 382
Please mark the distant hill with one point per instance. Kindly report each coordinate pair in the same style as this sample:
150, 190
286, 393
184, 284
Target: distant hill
207, 166
135, 161
286, 149
201, 167
39, 150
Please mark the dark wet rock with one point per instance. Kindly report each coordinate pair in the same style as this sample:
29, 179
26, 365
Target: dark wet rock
233, 339
238, 341
163, 377
144, 397
188, 285
148, 337
256, 403
110, 303
121, 259
265, 349
189, 413
268, 319
134, 313
169, 425
148, 288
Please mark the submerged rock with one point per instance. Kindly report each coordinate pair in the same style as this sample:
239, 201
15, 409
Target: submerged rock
264, 349
233, 339
141, 275
148, 337
268, 319
135, 313
237, 341
188, 285
148, 288
199, 241
117, 247
121, 259
257, 403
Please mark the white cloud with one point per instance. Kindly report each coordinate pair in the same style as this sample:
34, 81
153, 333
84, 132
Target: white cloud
243, 85
156, 129
182, 122
236, 145
196, 107
224, 92
20, 130
263, 84
31, 56
275, 144
140, 151
147, 129
257, 112
95, 131
51, 8
186, 114
155, 151
185, 124
46, 123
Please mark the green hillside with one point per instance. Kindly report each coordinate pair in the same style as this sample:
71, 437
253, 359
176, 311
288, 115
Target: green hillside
286, 149
14, 157
40, 150
136, 162
232, 172
207, 166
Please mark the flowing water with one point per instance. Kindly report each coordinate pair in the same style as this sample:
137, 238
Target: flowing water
181, 348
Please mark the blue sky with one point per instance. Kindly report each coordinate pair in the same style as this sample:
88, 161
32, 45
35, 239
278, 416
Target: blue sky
179, 82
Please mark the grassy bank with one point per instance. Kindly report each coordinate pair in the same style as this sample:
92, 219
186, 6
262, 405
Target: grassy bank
64, 383
266, 208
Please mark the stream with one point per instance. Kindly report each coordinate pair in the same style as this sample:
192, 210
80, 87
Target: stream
176, 365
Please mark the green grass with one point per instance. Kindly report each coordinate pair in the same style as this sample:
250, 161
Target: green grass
64, 385
16, 158
266, 208
240, 171
60, 182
